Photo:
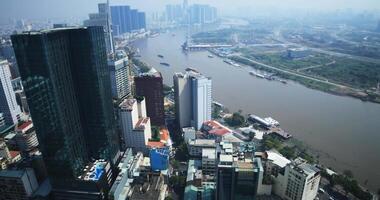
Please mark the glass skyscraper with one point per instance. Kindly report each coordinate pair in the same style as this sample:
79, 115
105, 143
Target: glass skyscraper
67, 85
125, 19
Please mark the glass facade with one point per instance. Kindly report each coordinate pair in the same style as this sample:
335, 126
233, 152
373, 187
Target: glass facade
67, 85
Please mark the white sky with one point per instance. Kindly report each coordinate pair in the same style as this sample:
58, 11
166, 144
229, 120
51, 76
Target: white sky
80, 8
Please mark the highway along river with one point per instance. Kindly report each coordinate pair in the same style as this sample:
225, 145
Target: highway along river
345, 131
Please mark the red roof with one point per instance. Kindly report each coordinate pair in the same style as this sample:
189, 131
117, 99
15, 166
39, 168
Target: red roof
153, 144
14, 153
216, 128
24, 125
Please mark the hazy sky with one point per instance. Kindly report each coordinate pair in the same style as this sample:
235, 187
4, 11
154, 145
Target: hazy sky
80, 8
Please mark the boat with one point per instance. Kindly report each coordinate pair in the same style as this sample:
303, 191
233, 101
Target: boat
283, 81
160, 56
256, 74
235, 64
228, 61
153, 35
210, 56
192, 69
165, 64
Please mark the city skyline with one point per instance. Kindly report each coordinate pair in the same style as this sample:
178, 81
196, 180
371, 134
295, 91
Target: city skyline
189, 99
68, 10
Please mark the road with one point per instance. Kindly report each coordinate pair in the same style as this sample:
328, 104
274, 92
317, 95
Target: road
316, 66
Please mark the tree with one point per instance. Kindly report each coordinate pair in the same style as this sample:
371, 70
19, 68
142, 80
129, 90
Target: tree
182, 152
251, 135
235, 120
271, 142
288, 152
175, 164
155, 133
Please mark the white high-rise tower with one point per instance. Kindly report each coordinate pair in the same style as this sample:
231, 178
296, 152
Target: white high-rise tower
8, 105
193, 99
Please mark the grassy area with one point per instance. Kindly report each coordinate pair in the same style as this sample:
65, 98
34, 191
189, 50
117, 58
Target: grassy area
368, 96
279, 60
353, 73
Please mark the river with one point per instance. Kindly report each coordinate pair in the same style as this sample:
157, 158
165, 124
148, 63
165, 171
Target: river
345, 131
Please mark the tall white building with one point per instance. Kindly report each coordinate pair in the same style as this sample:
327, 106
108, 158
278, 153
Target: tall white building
8, 105
135, 125
300, 181
193, 99
202, 100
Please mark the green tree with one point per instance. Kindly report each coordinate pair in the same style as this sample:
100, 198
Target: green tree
271, 143
251, 135
288, 152
155, 133
235, 120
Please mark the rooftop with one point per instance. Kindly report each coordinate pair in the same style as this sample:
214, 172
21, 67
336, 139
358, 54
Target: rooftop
127, 104
277, 158
141, 124
209, 153
94, 170
152, 188
24, 125
215, 128
203, 142
226, 158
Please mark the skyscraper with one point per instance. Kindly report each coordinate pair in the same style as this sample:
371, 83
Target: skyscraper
119, 72
67, 85
193, 99
202, 100
141, 20
8, 105
102, 18
125, 19
121, 19
134, 19
150, 86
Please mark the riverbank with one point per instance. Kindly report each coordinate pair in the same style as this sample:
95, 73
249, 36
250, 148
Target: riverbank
311, 82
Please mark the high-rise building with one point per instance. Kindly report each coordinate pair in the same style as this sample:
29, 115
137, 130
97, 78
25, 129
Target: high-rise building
299, 180
2, 121
17, 184
134, 19
193, 99
8, 104
174, 13
67, 85
102, 18
121, 19
125, 19
141, 20
202, 14
238, 177
135, 124
119, 72
150, 86
4, 151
